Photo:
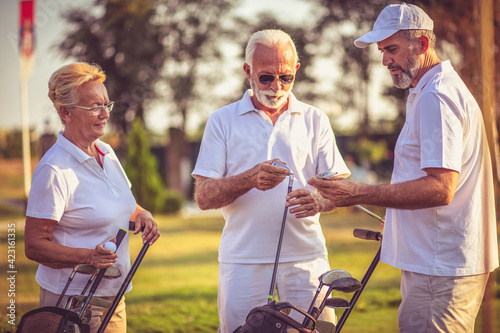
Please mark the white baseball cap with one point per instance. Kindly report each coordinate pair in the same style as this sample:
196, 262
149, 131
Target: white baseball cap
394, 18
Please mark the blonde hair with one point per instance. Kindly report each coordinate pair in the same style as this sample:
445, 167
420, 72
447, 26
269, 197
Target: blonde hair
64, 82
270, 38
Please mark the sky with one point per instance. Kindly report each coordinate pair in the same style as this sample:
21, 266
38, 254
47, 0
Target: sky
50, 30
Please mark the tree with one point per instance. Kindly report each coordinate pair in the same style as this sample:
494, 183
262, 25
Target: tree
341, 23
152, 49
457, 24
142, 170
127, 44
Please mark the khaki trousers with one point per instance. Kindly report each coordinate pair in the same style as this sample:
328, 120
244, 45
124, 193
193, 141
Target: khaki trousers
117, 323
440, 303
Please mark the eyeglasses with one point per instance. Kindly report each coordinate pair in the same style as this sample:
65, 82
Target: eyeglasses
96, 110
269, 78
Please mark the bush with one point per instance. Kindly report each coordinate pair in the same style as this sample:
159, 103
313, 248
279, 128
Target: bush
173, 203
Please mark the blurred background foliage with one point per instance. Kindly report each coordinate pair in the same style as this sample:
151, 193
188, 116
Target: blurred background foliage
185, 58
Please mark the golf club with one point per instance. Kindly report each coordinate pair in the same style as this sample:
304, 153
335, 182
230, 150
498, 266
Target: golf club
337, 303
372, 214
83, 269
344, 284
119, 237
126, 282
368, 235
270, 297
326, 279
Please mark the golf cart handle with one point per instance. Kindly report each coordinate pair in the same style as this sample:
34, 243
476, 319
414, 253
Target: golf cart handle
367, 234
131, 226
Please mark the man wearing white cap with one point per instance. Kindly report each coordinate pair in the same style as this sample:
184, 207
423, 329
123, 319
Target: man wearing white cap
440, 225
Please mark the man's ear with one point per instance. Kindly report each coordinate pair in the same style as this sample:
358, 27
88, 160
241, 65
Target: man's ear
247, 69
423, 44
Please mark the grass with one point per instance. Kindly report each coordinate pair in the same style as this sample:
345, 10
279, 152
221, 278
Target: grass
175, 288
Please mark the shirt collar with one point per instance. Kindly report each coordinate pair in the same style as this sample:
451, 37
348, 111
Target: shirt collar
246, 104
442, 67
76, 152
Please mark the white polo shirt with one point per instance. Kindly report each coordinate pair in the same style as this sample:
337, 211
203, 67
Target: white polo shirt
90, 204
444, 129
238, 137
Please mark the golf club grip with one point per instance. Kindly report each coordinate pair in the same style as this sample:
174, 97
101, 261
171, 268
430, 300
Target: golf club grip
367, 234
131, 226
119, 236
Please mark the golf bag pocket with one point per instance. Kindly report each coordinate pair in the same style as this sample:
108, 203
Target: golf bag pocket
274, 318
50, 319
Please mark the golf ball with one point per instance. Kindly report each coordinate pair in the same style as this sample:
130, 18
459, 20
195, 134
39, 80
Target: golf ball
111, 246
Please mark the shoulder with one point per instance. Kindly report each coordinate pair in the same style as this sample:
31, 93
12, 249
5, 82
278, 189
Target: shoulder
305, 108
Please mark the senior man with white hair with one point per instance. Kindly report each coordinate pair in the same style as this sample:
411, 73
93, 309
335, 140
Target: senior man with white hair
234, 172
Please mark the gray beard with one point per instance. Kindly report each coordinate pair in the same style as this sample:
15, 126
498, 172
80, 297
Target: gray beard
269, 103
407, 73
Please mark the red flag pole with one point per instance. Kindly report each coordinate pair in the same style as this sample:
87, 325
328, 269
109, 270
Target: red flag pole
26, 57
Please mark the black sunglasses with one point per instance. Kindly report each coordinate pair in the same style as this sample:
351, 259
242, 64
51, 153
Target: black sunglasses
269, 78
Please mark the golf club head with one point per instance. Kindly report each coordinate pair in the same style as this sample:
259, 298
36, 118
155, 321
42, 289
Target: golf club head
281, 165
112, 272
335, 274
337, 303
323, 326
86, 269
346, 285
95, 301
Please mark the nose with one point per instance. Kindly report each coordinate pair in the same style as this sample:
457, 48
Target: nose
104, 113
386, 59
276, 85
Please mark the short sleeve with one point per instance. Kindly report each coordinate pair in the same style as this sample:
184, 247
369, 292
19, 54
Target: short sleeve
47, 198
441, 133
211, 160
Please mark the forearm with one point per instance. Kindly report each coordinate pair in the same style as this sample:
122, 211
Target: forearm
212, 193
57, 256
421, 193
39, 246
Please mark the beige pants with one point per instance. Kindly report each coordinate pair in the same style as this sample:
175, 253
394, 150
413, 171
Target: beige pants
117, 323
440, 303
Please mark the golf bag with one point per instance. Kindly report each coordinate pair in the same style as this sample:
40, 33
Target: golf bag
54, 319
274, 318
51, 319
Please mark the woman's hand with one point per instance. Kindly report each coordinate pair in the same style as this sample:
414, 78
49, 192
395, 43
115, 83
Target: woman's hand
101, 257
145, 221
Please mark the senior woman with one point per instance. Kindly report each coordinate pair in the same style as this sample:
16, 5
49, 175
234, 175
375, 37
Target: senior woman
80, 196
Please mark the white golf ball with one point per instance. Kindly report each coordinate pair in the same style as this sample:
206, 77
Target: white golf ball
111, 246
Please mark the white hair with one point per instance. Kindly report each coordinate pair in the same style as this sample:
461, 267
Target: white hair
270, 38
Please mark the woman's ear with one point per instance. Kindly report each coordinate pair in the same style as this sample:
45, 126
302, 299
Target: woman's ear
64, 113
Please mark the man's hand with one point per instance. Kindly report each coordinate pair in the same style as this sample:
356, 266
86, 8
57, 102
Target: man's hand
307, 203
266, 176
339, 191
